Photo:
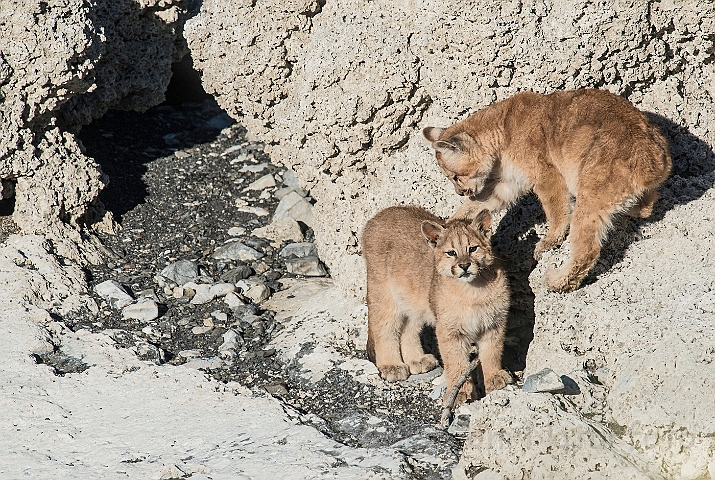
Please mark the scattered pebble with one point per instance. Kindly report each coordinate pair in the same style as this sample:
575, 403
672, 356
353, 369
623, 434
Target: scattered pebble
220, 121
232, 300
261, 212
236, 231
266, 181
307, 266
296, 207
237, 251
201, 330
219, 316
256, 291
236, 274
276, 388
203, 294
299, 250
545, 380
145, 310
113, 293
289, 179
281, 230
254, 168
181, 272
222, 289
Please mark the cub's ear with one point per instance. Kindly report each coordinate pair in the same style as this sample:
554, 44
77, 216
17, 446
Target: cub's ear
483, 222
432, 133
432, 232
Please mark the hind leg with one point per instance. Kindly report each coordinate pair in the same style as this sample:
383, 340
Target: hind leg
644, 207
589, 226
411, 344
384, 325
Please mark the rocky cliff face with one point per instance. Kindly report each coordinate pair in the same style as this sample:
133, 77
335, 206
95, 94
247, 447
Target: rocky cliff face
62, 64
339, 92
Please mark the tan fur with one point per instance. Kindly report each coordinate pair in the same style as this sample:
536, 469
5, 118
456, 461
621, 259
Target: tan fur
420, 271
588, 144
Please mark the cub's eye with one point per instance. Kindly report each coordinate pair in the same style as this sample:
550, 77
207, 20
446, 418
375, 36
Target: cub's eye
451, 253
472, 249
455, 178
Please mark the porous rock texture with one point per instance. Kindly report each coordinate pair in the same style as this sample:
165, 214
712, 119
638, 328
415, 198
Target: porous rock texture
62, 64
339, 92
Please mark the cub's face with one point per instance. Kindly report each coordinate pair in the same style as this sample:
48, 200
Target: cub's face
461, 159
462, 249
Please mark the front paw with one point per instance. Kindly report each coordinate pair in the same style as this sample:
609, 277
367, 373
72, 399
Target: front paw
544, 245
560, 280
394, 373
499, 380
424, 364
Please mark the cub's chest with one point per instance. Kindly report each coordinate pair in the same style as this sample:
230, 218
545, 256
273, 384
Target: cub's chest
472, 312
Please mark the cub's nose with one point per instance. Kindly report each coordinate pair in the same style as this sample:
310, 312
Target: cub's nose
465, 266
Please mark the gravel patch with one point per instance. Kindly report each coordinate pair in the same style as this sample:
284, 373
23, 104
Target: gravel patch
189, 196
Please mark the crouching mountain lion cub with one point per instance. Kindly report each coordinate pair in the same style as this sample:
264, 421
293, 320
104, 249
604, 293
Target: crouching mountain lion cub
589, 144
421, 271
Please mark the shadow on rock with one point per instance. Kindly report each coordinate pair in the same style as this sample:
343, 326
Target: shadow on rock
168, 131
514, 243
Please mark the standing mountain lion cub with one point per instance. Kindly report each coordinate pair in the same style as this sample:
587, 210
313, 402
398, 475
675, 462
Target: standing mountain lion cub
589, 144
421, 271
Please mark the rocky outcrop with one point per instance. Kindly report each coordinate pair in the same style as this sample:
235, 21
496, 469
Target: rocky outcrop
63, 64
339, 92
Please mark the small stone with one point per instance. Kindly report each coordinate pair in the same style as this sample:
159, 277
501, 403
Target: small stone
181, 272
276, 388
220, 121
168, 291
307, 266
231, 149
298, 250
261, 212
147, 351
181, 154
231, 339
260, 267
256, 291
236, 274
545, 380
177, 292
232, 300
289, 179
296, 207
144, 310
237, 251
208, 322
219, 316
189, 353
203, 295
460, 425
259, 167
282, 192
113, 293
201, 330
281, 230
222, 289
236, 231
266, 181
